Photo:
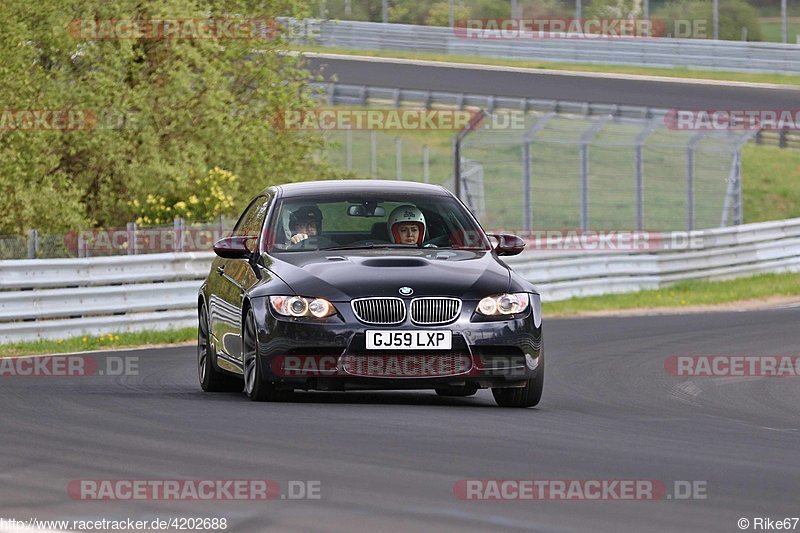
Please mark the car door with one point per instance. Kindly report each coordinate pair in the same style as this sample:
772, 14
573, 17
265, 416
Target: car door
233, 277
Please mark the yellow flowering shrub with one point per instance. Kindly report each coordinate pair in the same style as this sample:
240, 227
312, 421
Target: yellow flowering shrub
205, 198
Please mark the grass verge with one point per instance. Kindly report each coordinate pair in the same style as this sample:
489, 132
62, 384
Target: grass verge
677, 72
683, 295
102, 342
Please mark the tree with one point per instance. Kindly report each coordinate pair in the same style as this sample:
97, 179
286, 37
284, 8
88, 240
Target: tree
168, 109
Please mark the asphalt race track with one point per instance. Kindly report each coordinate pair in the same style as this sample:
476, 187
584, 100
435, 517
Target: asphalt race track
388, 461
575, 87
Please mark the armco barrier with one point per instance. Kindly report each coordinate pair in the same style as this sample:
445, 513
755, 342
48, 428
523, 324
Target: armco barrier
58, 298
661, 52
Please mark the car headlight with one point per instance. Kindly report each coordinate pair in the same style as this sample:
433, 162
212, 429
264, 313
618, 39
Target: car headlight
504, 304
298, 306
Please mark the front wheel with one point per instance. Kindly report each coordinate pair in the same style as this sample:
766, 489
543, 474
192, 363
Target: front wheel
256, 386
527, 396
211, 379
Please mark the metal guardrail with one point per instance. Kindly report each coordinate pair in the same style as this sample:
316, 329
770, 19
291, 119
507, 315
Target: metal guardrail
59, 298
661, 52
725, 253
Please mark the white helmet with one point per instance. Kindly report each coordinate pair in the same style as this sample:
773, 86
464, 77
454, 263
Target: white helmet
406, 214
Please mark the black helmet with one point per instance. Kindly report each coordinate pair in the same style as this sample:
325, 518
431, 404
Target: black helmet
304, 215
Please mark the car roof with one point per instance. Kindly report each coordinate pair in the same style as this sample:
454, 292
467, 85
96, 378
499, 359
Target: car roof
314, 188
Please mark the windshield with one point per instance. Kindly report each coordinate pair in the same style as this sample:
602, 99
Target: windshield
373, 220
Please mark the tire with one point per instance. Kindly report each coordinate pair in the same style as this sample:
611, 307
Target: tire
211, 379
256, 386
527, 396
457, 391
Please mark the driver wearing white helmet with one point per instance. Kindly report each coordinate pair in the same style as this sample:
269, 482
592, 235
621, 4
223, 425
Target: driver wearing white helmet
407, 225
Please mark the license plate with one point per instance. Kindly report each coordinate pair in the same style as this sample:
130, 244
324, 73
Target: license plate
409, 340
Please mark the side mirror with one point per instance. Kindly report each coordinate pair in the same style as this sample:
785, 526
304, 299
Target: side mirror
238, 247
508, 244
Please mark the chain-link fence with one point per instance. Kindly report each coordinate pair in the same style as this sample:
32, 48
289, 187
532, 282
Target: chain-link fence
554, 170
602, 172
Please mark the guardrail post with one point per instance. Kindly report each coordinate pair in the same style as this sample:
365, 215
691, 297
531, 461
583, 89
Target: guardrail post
33, 243
782, 139
426, 155
132, 238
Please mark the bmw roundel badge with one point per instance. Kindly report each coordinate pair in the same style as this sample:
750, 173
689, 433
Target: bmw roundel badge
406, 291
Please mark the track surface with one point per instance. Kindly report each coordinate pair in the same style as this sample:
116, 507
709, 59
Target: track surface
387, 461
569, 87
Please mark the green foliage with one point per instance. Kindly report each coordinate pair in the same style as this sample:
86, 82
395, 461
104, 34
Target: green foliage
733, 16
199, 199
616, 9
168, 110
439, 14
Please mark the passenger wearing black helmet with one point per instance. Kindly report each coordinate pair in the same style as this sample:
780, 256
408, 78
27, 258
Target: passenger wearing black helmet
305, 222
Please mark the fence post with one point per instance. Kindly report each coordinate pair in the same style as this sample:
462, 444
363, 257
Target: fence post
131, 227
457, 139
349, 147
373, 153
690, 148
177, 224
639, 170
426, 169
586, 138
33, 243
398, 158
527, 178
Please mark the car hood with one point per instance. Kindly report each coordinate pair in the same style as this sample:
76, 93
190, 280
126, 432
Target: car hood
343, 275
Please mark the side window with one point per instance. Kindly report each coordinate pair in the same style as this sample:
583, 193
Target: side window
253, 218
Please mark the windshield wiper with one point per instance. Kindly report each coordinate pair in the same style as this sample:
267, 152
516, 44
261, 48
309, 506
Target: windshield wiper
370, 246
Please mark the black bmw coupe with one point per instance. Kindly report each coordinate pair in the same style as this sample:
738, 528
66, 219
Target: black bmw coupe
367, 284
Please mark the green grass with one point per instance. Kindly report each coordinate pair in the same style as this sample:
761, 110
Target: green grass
678, 72
102, 342
684, 294
771, 183
771, 29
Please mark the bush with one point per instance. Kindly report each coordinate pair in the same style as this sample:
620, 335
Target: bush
733, 16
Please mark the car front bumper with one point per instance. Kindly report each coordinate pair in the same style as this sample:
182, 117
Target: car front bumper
331, 354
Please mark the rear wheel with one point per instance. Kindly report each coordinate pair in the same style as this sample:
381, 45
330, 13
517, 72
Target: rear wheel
211, 379
527, 396
256, 386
